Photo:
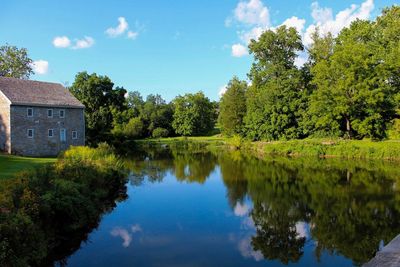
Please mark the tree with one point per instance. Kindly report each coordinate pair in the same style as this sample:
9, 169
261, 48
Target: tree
233, 107
194, 114
353, 97
277, 99
101, 101
156, 113
14, 62
135, 102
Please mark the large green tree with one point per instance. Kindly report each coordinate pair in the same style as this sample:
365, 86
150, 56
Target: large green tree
100, 98
352, 96
15, 62
232, 108
276, 100
194, 114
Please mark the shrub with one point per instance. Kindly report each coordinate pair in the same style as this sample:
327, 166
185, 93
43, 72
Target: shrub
42, 208
160, 132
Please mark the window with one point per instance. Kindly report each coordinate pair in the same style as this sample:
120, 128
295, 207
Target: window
50, 113
74, 135
62, 113
29, 112
30, 133
51, 133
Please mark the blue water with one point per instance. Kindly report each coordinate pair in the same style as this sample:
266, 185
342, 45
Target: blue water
184, 222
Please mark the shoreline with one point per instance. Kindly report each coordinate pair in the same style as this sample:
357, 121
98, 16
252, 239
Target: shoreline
320, 148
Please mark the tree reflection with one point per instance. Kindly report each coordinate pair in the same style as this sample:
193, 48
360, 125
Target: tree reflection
349, 206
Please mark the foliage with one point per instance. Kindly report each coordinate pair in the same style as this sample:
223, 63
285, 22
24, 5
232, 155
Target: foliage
100, 98
134, 129
42, 208
349, 149
156, 113
14, 62
194, 114
232, 108
160, 132
277, 98
352, 94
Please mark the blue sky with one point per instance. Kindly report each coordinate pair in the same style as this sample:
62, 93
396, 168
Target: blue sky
165, 47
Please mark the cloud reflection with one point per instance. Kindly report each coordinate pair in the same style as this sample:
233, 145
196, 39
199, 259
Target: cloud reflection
125, 235
241, 210
247, 251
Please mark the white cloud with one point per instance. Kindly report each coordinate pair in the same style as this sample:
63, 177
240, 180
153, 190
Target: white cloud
222, 90
253, 17
296, 23
132, 35
241, 210
120, 29
40, 66
239, 50
252, 12
254, 33
321, 14
326, 22
61, 41
86, 42
123, 234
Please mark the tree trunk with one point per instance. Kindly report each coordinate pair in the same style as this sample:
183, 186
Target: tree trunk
348, 128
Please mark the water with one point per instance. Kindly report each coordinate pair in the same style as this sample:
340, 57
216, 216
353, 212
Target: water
228, 209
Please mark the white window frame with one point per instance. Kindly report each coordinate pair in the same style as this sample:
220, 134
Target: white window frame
27, 112
50, 131
63, 111
74, 135
52, 113
33, 133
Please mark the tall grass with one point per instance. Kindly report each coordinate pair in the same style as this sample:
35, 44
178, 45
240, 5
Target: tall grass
349, 149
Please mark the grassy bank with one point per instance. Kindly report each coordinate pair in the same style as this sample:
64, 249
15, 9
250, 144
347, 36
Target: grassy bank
10, 165
348, 149
45, 213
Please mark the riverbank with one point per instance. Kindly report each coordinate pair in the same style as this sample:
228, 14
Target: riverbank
47, 212
323, 148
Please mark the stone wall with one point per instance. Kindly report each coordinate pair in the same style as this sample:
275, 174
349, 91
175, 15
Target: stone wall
41, 144
4, 124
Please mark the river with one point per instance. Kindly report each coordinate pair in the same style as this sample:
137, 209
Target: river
216, 208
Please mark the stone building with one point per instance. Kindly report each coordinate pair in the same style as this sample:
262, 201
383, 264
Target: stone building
39, 118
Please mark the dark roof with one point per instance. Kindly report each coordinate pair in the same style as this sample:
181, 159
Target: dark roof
34, 93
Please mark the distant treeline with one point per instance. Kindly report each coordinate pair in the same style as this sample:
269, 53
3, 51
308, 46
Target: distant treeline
114, 115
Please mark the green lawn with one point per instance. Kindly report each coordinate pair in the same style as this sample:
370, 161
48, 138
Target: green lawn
10, 165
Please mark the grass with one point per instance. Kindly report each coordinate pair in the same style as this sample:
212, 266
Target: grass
348, 149
10, 165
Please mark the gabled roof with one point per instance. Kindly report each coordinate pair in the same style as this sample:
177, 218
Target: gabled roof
35, 93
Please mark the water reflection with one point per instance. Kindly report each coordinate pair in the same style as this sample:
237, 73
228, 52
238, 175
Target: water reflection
337, 207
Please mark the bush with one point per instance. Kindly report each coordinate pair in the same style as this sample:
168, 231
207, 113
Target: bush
42, 208
160, 132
